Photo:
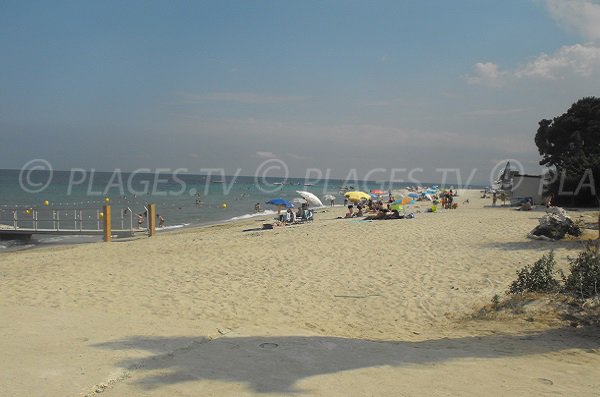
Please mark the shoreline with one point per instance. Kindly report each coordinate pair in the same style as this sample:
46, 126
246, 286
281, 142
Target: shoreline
170, 229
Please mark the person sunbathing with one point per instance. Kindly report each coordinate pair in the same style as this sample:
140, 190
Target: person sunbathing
380, 215
526, 206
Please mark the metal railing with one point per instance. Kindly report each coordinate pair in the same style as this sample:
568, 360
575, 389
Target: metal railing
65, 220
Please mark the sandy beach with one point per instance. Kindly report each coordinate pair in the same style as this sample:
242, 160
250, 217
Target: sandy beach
336, 307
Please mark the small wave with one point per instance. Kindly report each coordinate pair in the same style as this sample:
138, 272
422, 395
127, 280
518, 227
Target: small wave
57, 239
253, 215
170, 227
14, 245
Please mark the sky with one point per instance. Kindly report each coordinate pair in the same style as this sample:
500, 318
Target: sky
331, 85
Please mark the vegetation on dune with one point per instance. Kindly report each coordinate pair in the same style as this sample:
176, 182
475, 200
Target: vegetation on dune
582, 282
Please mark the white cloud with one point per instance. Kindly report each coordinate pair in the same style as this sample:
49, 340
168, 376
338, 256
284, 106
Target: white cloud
487, 74
239, 97
578, 60
579, 16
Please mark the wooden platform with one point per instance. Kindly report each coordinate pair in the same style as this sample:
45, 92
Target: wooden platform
22, 233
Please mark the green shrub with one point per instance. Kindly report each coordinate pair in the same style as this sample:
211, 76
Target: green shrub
584, 277
536, 278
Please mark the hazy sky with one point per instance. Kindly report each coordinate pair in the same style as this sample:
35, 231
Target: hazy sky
317, 84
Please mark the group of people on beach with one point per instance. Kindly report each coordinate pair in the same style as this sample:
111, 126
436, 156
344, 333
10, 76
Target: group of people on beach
447, 200
372, 206
302, 214
141, 218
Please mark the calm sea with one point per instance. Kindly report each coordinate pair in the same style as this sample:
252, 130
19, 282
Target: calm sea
183, 200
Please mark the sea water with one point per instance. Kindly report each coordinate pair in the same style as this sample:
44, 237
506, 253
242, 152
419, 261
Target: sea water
183, 200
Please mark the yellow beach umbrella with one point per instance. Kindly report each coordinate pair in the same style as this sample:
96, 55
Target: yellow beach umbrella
356, 196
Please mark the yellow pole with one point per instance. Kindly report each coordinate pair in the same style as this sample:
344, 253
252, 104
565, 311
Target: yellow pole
107, 224
151, 220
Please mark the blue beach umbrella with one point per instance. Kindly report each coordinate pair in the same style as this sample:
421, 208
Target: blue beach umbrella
413, 195
280, 203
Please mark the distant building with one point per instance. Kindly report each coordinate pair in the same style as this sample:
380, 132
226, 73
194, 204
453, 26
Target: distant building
527, 186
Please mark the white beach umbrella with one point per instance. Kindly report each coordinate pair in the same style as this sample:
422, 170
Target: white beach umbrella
313, 201
329, 197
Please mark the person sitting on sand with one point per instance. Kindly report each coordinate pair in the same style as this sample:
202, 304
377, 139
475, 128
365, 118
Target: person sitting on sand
291, 216
350, 210
360, 210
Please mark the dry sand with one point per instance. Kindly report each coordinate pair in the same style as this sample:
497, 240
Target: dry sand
337, 307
